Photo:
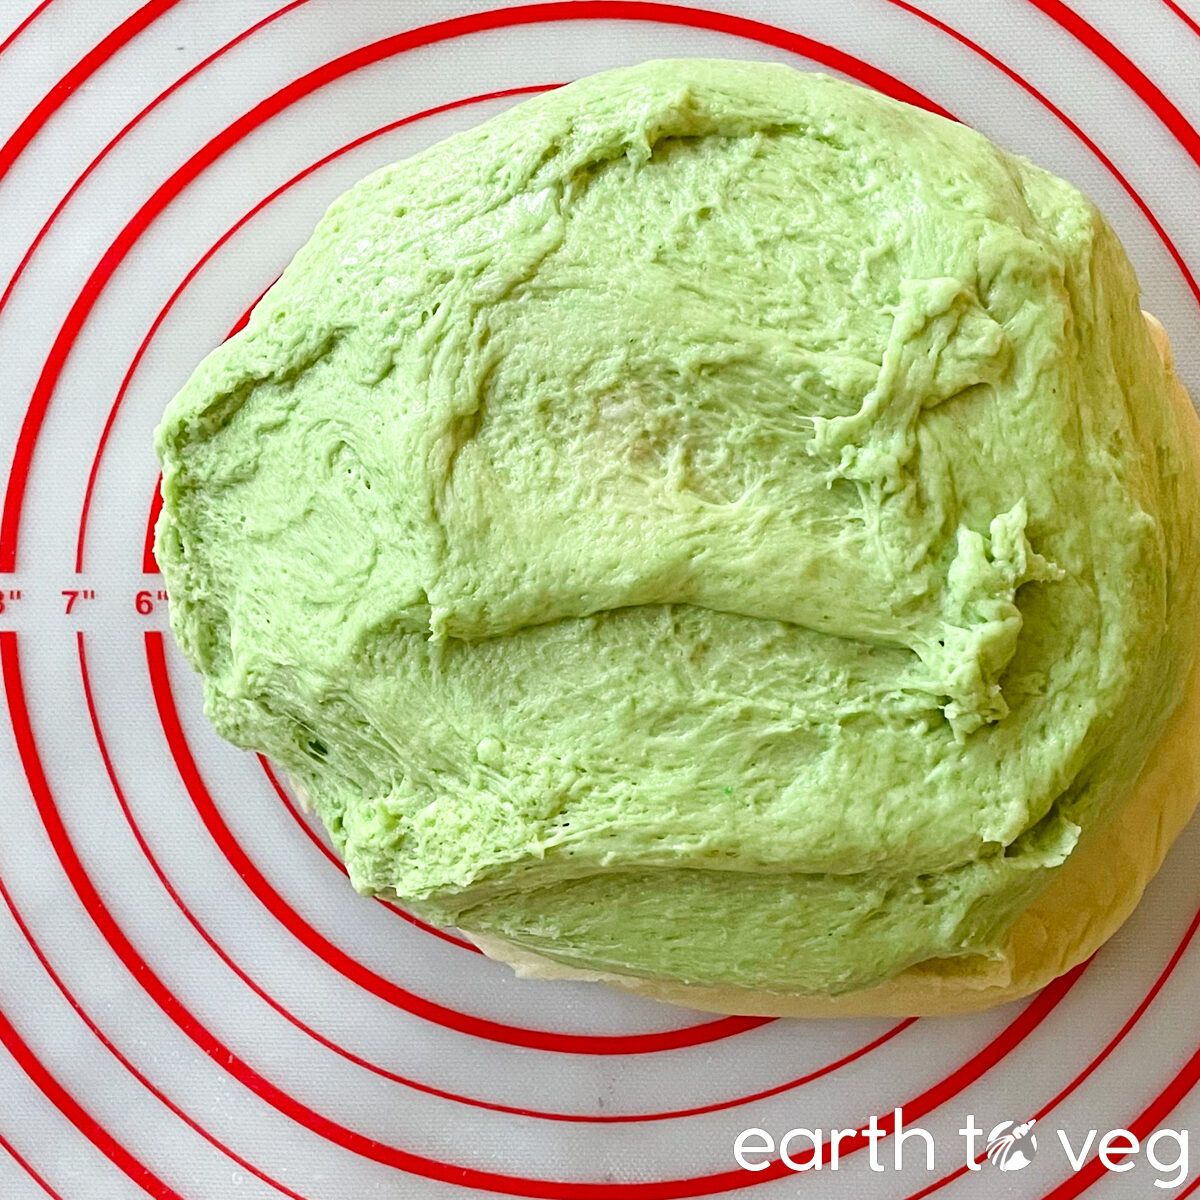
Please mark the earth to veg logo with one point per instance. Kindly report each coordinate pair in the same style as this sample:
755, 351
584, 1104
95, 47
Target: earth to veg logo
1011, 1147
886, 1143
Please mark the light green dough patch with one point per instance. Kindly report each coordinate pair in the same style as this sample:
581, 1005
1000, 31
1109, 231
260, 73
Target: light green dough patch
709, 521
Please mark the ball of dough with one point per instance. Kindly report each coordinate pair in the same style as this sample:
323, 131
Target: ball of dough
709, 524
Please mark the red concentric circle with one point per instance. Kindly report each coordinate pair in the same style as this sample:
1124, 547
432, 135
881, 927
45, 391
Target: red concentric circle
87, 1113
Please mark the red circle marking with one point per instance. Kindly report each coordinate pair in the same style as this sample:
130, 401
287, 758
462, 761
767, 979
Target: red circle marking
106, 430
1074, 128
4, 45
6, 497
5, 1144
95, 58
1190, 1189
124, 131
1117, 61
901, 4
539, 1189
1117, 1038
1141, 1127
1079, 1079
158, 1094
741, 1179
556, 10
1194, 26
70, 1108
1166, 1102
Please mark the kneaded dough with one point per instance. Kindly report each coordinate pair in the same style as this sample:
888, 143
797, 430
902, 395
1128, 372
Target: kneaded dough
709, 522
1087, 902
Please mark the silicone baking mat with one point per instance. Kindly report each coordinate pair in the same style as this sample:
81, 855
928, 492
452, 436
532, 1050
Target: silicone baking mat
193, 1002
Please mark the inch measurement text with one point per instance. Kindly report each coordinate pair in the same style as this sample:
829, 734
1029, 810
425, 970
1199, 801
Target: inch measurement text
74, 596
144, 602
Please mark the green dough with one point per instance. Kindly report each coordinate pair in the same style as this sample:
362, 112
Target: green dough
709, 522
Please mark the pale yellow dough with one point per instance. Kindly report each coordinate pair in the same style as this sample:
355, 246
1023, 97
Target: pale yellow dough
1084, 905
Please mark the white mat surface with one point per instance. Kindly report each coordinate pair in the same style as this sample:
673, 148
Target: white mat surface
194, 1003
